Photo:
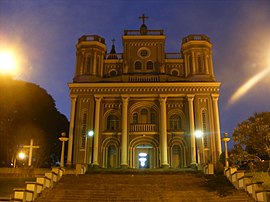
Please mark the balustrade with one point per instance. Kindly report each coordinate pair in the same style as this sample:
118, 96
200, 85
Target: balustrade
141, 78
143, 127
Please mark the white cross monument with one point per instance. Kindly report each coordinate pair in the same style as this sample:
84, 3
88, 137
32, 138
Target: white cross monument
30, 147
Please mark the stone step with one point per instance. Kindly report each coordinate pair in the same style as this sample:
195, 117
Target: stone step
138, 186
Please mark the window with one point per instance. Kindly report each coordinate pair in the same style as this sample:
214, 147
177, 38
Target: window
135, 118
153, 118
138, 65
84, 120
144, 115
204, 128
175, 122
113, 73
144, 53
200, 66
112, 122
88, 65
174, 73
149, 65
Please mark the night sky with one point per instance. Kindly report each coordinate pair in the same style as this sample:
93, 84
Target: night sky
43, 34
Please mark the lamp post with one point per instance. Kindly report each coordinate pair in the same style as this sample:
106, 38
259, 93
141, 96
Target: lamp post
199, 135
63, 139
89, 134
226, 139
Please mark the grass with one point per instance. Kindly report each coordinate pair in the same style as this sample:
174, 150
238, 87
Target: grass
261, 176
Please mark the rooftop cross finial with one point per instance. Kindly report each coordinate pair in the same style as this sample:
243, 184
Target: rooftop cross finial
113, 40
143, 17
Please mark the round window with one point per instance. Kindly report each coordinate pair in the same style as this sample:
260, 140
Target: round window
144, 52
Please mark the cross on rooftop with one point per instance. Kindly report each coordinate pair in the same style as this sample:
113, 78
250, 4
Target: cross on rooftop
31, 147
113, 40
143, 17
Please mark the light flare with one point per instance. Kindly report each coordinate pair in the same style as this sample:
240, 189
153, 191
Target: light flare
248, 85
8, 63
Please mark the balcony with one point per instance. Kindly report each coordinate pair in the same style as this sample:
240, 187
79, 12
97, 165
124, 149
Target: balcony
143, 127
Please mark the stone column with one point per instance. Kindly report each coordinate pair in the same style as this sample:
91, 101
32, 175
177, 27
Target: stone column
193, 63
95, 63
101, 65
206, 63
124, 152
191, 129
216, 123
71, 130
96, 130
186, 64
163, 132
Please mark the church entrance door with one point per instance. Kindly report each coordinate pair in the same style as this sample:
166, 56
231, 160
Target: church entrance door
144, 156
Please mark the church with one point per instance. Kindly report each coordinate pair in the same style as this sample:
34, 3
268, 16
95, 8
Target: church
144, 107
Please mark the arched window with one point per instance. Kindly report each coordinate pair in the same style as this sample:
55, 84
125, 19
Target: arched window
135, 118
149, 65
153, 118
88, 65
204, 128
174, 73
113, 73
138, 65
190, 62
84, 121
144, 115
112, 122
200, 66
175, 122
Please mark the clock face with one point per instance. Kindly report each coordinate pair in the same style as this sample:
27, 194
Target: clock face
144, 52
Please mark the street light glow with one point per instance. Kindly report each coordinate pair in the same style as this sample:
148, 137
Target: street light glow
8, 63
90, 133
21, 155
198, 133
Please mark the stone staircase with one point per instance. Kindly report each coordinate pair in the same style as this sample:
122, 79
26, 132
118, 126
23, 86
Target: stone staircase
147, 186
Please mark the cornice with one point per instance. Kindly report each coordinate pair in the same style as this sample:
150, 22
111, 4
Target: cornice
144, 88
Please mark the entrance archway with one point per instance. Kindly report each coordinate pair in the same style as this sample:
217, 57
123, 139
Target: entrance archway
144, 156
144, 153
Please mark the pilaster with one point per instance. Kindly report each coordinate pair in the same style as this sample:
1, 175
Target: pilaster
71, 129
124, 163
163, 131
216, 122
96, 130
191, 128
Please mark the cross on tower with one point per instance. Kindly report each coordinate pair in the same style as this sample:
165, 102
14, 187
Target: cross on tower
143, 17
113, 40
31, 147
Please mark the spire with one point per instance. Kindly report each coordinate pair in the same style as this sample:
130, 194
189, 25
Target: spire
112, 54
143, 28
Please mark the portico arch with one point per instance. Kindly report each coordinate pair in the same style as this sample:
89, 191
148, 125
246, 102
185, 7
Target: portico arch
144, 144
177, 153
111, 153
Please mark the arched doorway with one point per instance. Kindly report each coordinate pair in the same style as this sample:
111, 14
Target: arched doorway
176, 157
177, 153
143, 153
144, 156
112, 157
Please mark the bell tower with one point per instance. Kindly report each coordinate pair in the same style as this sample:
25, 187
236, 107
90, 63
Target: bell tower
197, 52
91, 50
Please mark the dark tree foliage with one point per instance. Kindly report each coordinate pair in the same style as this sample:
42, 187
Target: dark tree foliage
252, 139
28, 111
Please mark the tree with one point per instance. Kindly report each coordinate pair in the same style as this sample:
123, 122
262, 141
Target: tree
252, 139
28, 111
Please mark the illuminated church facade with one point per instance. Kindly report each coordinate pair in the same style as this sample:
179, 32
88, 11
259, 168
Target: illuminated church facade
144, 105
